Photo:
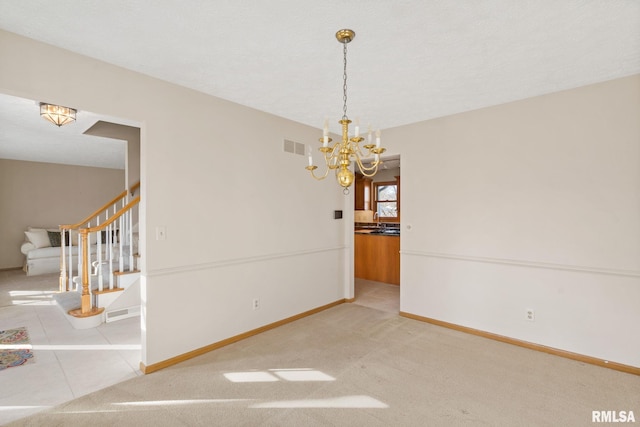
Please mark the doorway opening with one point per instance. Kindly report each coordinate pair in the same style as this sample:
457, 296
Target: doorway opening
377, 220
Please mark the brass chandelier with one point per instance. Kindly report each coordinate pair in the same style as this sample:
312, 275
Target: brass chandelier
338, 156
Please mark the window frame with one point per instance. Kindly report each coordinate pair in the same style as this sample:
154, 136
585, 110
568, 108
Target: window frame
397, 200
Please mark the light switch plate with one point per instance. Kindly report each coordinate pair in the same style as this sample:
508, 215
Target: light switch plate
161, 233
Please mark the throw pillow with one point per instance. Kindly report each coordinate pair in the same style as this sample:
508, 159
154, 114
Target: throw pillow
39, 238
56, 239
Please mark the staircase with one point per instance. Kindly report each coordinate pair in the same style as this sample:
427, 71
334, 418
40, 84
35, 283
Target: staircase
104, 285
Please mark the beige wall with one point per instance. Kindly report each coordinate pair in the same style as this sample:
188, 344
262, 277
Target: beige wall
532, 204
47, 194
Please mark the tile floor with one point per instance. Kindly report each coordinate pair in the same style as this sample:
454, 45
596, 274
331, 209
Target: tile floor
70, 363
381, 296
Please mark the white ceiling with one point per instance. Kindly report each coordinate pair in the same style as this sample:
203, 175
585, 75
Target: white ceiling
411, 60
24, 135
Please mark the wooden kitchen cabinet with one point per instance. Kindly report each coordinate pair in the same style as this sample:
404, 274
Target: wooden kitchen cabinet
362, 188
377, 258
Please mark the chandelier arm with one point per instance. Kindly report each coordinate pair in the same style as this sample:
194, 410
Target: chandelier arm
329, 155
370, 175
362, 166
358, 161
319, 178
372, 169
359, 151
335, 152
365, 170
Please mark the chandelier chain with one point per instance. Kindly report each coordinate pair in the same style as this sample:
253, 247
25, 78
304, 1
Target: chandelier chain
344, 84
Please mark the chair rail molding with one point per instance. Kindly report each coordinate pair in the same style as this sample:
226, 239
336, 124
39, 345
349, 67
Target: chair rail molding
522, 263
238, 261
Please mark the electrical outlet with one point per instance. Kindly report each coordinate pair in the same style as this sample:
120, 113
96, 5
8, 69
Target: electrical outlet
256, 303
531, 315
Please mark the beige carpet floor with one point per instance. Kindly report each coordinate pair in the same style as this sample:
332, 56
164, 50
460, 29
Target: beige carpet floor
354, 365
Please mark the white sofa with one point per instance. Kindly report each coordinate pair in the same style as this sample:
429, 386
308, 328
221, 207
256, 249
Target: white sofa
42, 250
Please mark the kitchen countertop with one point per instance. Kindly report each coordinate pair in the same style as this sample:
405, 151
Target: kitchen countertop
377, 232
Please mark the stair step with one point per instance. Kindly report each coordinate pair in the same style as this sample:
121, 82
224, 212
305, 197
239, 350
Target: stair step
107, 291
122, 273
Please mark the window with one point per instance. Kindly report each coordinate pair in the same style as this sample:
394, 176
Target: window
386, 199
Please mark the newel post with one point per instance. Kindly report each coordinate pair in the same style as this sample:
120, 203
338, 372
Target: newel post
86, 296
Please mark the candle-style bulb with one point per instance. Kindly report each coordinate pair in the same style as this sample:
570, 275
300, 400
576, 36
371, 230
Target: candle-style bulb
378, 138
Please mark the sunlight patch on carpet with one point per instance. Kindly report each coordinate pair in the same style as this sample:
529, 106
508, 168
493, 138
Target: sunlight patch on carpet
15, 348
178, 402
347, 402
295, 374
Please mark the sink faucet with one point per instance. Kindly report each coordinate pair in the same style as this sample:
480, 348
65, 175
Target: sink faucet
376, 215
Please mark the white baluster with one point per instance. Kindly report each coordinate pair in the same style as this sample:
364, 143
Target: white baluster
99, 257
130, 234
106, 242
70, 253
108, 255
80, 255
110, 240
89, 263
120, 241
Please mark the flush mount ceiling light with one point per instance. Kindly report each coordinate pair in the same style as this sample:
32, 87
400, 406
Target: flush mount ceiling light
57, 114
338, 156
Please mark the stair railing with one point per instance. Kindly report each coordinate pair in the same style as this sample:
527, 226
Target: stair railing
69, 232
123, 237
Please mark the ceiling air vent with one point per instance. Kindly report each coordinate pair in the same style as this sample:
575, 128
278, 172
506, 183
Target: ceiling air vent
293, 147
